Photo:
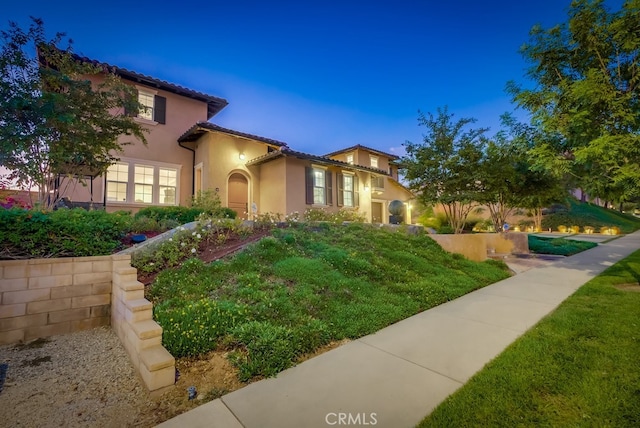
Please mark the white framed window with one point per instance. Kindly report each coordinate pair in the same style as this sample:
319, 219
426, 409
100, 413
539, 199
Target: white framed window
319, 186
133, 181
350, 158
319, 190
348, 189
117, 182
153, 107
373, 161
146, 100
143, 179
168, 182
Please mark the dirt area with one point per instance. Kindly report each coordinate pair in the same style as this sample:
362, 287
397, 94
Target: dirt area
633, 287
85, 379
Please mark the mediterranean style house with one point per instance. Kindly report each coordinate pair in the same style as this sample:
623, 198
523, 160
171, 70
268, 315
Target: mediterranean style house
186, 154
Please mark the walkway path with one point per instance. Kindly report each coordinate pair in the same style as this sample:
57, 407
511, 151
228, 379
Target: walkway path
397, 376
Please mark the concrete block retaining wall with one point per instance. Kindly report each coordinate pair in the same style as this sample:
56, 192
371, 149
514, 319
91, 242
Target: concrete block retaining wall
478, 246
47, 297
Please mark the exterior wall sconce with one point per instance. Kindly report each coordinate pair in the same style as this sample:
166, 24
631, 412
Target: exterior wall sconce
366, 188
241, 156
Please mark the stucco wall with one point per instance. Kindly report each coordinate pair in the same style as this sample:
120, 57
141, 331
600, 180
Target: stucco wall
479, 246
181, 114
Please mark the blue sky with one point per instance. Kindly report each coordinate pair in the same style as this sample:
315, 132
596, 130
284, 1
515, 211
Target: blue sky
319, 75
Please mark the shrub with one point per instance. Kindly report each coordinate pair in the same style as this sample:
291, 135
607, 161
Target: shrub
62, 233
558, 246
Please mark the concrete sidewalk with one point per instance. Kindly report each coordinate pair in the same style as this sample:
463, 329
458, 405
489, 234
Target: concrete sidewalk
397, 376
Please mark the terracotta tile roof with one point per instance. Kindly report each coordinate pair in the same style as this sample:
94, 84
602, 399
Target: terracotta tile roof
214, 104
360, 146
200, 128
285, 151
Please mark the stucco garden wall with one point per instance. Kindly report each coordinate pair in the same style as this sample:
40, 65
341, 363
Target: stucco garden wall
47, 297
479, 246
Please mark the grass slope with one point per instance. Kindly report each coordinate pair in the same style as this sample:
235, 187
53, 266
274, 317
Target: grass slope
580, 366
585, 214
305, 286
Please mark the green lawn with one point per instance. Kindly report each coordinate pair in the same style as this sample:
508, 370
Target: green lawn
305, 286
580, 366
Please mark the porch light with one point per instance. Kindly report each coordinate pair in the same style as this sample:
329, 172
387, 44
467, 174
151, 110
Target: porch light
242, 156
366, 188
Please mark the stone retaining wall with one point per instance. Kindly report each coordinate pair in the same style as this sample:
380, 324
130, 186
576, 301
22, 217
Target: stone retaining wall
47, 297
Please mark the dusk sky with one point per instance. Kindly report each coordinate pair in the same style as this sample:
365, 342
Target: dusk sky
319, 76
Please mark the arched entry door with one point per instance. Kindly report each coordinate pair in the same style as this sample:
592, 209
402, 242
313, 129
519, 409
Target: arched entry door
238, 194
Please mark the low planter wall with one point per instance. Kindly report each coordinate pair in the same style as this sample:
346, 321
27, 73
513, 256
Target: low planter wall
479, 246
47, 297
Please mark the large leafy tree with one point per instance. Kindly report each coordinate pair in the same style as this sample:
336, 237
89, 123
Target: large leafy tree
587, 91
445, 167
59, 115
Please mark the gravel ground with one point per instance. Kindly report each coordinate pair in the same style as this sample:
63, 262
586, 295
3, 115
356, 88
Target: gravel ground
82, 379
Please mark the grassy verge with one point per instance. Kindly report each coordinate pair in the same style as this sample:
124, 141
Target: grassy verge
585, 214
304, 287
578, 367
558, 246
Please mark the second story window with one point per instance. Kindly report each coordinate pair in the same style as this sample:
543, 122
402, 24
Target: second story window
374, 161
350, 158
147, 101
153, 107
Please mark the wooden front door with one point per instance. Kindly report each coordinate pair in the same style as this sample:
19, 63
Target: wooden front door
238, 195
376, 212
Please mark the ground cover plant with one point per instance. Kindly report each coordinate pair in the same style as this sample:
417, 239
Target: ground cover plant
584, 214
303, 286
558, 246
577, 367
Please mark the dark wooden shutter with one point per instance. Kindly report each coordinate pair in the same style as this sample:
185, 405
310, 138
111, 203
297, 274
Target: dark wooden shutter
356, 192
329, 188
340, 182
308, 181
160, 109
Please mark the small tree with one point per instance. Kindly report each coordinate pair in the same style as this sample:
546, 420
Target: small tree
445, 168
53, 120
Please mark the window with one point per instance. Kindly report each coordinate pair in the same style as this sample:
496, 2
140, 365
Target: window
143, 183
374, 161
350, 158
146, 100
117, 179
152, 107
318, 186
377, 182
347, 190
167, 180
